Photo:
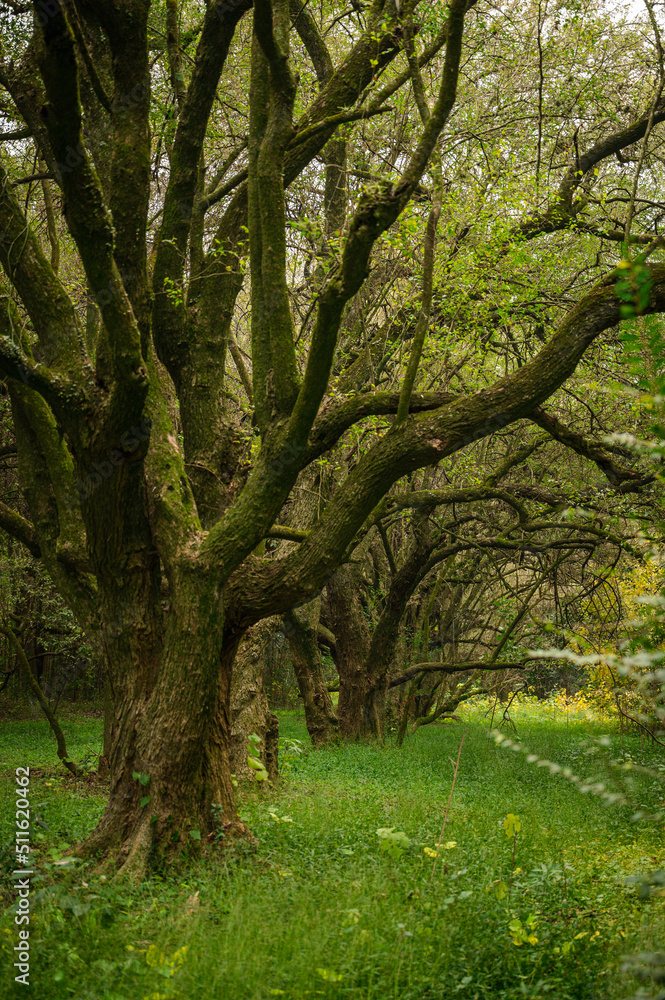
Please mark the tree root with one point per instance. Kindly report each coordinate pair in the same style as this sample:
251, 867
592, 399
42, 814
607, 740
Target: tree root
136, 852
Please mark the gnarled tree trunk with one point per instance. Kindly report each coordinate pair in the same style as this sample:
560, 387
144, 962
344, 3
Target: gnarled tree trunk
169, 767
356, 715
301, 628
250, 712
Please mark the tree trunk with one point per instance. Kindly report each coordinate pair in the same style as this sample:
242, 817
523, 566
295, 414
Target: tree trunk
385, 639
103, 765
300, 626
250, 712
171, 789
374, 707
357, 715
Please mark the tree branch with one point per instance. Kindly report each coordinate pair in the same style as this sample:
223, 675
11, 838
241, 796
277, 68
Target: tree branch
86, 213
616, 474
426, 438
377, 210
45, 300
563, 209
454, 668
97, 84
219, 27
272, 94
336, 417
19, 528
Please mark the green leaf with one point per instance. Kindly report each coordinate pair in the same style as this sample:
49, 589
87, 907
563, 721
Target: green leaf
195, 834
332, 977
512, 825
144, 801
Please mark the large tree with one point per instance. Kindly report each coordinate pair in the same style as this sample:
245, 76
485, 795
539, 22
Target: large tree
139, 493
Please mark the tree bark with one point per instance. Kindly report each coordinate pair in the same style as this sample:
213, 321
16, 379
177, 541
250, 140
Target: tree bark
250, 712
356, 713
301, 628
170, 775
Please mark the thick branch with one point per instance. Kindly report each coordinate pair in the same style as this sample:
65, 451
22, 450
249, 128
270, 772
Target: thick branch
46, 301
174, 51
312, 39
97, 84
453, 668
272, 94
218, 30
20, 529
87, 217
593, 450
426, 438
336, 418
283, 531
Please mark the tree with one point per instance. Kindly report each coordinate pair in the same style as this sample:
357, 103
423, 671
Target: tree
470, 565
143, 503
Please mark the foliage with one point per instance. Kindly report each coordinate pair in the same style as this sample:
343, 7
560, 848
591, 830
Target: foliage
290, 750
254, 759
45, 626
393, 842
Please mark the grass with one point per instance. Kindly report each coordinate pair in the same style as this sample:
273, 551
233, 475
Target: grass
319, 910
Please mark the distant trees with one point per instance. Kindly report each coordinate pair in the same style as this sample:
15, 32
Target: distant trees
240, 240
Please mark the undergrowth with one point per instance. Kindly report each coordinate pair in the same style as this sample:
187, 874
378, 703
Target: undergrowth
528, 898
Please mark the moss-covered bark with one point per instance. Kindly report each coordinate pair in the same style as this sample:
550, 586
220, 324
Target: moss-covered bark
172, 727
300, 626
352, 639
249, 708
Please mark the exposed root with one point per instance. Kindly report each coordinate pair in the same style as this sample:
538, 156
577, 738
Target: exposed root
235, 829
136, 852
100, 841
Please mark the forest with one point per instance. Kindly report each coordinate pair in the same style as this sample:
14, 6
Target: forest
332, 430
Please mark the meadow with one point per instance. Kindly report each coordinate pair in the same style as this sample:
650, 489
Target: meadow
528, 897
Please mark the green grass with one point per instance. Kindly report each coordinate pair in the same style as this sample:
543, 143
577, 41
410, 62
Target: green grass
31, 744
318, 910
